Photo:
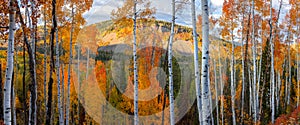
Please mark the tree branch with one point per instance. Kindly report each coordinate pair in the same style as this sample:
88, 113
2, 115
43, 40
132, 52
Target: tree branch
4, 27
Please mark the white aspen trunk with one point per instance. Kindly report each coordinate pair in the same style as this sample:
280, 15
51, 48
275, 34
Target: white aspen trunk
135, 66
14, 108
14, 80
250, 91
29, 25
243, 84
272, 68
232, 86
221, 84
34, 79
297, 53
259, 71
13, 88
9, 65
259, 76
243, 65
216, 89
279, 89
69, 68
255, 99
298, 75
34, 66
170, 55
33, 93
58, 80
206, 116
278, 85
273, 101
63, 94
287, 83
196, 64
222, 93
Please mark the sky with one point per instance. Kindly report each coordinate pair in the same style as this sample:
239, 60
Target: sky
217, 2
101, 10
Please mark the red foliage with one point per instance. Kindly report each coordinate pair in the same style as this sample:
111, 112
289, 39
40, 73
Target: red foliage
291, 119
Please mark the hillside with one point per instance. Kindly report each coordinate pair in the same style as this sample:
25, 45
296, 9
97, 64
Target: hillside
149, 33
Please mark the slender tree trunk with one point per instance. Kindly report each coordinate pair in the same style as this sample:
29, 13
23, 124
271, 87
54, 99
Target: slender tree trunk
59, 105
297, 54
136, 118
12, 94
196, 65
63, 94
9, 65
232, 80
260, 69
14, 108
33, 86
243, 72
286, 83
290, 72
272, 61
221, 83
15, 80
210, 98
13, 102
247, 84
206, 116
225, 74
289, 67
272, 67
69, 68
250, 93
45, 62
24, 86
254, 66
278, 92
50, 83
171, 94
216, 89
30, 85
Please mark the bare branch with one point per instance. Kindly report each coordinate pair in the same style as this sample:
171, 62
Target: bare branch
4, 27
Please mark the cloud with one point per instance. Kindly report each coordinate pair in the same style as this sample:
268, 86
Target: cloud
101, 10
217, 2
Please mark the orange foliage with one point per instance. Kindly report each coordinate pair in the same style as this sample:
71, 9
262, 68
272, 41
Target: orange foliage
291, 119
101, 75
